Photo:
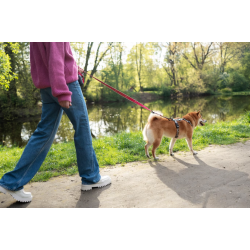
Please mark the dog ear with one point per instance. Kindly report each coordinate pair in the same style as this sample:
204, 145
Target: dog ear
198, 112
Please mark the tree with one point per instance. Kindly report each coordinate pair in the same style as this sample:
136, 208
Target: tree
7, 63
116, 62
98, 58
200, 56
138, 60
25, 87
141, 64
172, 58
11, 49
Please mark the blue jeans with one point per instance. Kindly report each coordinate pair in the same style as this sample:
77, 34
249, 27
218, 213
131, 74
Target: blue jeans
42, 139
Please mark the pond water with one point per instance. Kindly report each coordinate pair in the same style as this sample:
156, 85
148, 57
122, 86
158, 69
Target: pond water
109, 119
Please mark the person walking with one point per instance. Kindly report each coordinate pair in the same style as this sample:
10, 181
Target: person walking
55, 72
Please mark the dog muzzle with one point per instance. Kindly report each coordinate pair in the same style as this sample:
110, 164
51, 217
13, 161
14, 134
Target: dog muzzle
202, 123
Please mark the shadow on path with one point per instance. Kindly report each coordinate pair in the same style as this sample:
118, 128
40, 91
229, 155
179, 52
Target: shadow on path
197, 183
89, 199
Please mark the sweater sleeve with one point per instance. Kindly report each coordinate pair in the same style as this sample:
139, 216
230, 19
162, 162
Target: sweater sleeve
55, 53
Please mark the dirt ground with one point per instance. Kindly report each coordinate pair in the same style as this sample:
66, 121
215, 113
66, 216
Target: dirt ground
217, 177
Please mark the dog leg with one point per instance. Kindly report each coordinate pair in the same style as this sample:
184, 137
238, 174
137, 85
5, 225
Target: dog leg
189, 143
155, 146
171, 146
146, 149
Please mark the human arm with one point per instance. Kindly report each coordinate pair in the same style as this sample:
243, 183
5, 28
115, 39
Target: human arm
55, 56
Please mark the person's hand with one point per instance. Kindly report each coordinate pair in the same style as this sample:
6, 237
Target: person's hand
65, 104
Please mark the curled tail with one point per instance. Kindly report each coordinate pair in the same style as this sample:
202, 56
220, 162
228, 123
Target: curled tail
151, 117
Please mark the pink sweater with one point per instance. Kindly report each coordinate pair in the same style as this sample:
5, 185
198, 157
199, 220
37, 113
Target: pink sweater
53, 65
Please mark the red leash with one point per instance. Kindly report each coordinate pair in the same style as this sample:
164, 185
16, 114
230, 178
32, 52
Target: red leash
122, 94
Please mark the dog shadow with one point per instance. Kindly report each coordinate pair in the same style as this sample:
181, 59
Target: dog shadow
89, 199
196, 183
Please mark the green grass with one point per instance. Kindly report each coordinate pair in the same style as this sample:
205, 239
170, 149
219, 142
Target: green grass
234, 93
126, 147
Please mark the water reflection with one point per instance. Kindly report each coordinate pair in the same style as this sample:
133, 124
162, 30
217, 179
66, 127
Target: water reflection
109, 119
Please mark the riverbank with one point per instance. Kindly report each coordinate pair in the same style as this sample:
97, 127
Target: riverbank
126, 147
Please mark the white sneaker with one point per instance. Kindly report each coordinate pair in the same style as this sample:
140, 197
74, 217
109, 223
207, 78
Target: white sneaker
105, 180
19, 195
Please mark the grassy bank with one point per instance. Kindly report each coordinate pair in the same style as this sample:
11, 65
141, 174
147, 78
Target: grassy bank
232, 93
126, 147
239, 93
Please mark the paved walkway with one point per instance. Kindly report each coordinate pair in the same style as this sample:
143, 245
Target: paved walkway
217, 177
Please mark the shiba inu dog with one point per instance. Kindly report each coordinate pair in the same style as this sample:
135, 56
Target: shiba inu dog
176, 128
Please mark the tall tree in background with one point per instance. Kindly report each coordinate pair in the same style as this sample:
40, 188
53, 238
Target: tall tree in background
25, 86
227, 52
200, 55
139, 61
141, 65
116, 62
80, 52
116, 73
86, 55
172, 58
98, 58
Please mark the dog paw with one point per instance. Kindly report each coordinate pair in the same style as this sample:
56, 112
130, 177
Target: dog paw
171, 154
195, 153
156, 158
148, 156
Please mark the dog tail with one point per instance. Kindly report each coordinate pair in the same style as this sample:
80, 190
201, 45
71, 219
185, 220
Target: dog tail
151, 117
154, 116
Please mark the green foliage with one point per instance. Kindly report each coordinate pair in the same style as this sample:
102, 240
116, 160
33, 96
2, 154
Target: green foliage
245, 61
21, 93
168, 91
226, 90
6, 75
238, 82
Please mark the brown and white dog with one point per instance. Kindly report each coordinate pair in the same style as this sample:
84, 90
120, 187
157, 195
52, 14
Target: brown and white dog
158, 126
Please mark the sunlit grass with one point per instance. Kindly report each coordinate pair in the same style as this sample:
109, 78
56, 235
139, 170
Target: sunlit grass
234, 93
126, 147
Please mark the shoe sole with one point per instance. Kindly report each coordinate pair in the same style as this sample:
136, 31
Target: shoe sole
5, 191
89, 187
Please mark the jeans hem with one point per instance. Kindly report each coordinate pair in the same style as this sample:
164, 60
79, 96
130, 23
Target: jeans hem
10, 188
84, 183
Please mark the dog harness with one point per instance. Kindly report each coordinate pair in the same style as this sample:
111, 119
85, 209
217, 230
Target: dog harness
177, 125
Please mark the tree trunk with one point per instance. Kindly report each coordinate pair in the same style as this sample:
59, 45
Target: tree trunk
96, 64
138, 64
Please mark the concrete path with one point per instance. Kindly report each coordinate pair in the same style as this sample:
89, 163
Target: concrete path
217, 177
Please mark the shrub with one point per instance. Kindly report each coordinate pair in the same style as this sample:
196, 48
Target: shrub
226, 90
238, 82
168, 91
